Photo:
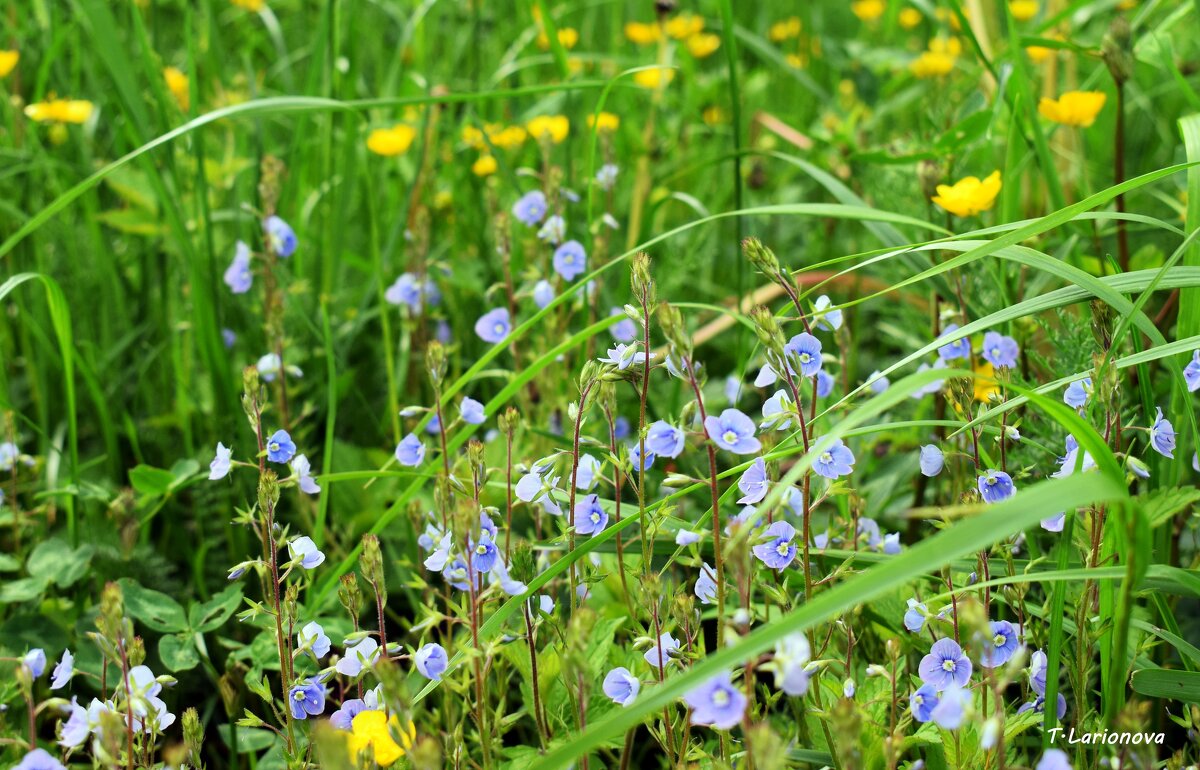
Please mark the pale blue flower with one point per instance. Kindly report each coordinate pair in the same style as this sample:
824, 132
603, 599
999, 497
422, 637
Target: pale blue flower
1055, 523
431, 661
305, 551
792, 654
410, 451
995, 486
960, 348
777, 548
878, 382
826, 317
590, 517
530, 208
951, 710
543, 293
805, 349
706, 585
221, 463
1054, 759
553, 230
343, 718
280, 447
635, 457
484, 554
280, 237
312, 637
622, 356
307, 699
685, 537
777, 411
915, 615
932, 460
585, 474
494, 325
946, 665
365, 653
825, 383
39, 759
1078, 393
621, 686
624, 330
1000, 351
663, 438
472, 411
1000, 646
834, 462
1162, 435
753, 484
238, 276
922, 703
570, 260
304, 478
35, 662
717, 703
606, 176
659, 654
1191, 373
63, 671
733, 431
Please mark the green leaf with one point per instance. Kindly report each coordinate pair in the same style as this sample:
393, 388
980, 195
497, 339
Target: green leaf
157, 610
9, 563
213, 613
178, 652
246, 739
55, 561
23, 590
150, 480
1166, 683
1164, 504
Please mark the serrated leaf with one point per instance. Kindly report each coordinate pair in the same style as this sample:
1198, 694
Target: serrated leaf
153, 608
1163, 504
178, 652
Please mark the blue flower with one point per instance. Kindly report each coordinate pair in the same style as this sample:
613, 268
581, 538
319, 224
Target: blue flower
543, 293
686, 537
307, 699
1162, 435
663, 438
825, 383
806, 350
39, 759
304, 479
623, 355
946, 665
932, 460
951, 710
1002, 645
221, 463
834, 462
621, 427
733, 431
434, 426
590, 517
63, 671
534, 484
1037, 682
891, 543
1137, 467
635, 459
621, 686
776, 411
312, 637
1191, 373
624, 330
1000, 351
1054, 523
922, 703
778, 548
365, 653
471, 411
995, 486
570, 260
659, 655
606, 176
826, 318
958, 349
878, 382
280, 447
753, 483
733, 389
280, 237
790, 662
431, 661
409, 291
1054, 759
530, 208
305, 551
716, 703
915, 615
35, 662
706, 585
494, 325
238, 277
484, 554
1078, 393
585, 474
410, 451
554, 230
1068, 462
228, 337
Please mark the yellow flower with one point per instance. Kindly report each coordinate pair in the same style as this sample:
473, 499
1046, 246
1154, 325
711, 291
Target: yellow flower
1039, 53
703, 45
969, 195
60, 111
950, 17
1074, 108
868, 10
684, 25
713, 115
1023, 10
391, 141
371, 739
508, 137
784, 30
985, 383
484, 166
641, 33
249, 5
606, 124
553, 127
795, 60
938, 60
567, 37
654, 78
8, 62
910, 18
177, 84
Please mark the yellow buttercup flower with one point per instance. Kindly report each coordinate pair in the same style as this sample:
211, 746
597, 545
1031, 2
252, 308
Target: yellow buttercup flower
703, 45
938, 60
985, 384
1023, 10
567, 37
784, 30
684, 25
605, 124
391, 141
8, 62
868, 10
1038, 53
371, 739
795, 60
969, 196
60, 111
484, 166
713, 115
553, 127
177, 84
1074, 108
654, 78
910, 18
642, 33
950, 17
249, 5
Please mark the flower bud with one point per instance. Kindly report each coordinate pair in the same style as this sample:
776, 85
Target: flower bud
435, 362
193, 735
268, 492
349, 593
1117, 50
761, 257
371, 564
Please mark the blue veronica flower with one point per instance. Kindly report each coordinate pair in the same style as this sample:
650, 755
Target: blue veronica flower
471, 411
825, 383
358, 656
932, 460
706, 584
1137, 467
621, 427
606, 176
304, 479
951, 710
1055, 523
63, 671
307, 699
543, 293
621, 686
509, 585
733, 431
434, 426
1078, 393
585, 474
589, 517
312, 637
305, 551
686, 537
486, 525
35, 662
484, 554
934, 387
946, 665
790, 663
280, 447
431, 661
868, 532
1068, 462
922, 703
891, 543
1037, 682
806, 350
766, 376
280, 237
570, 260
951, 350
238, 276
778, 548
80, 722
269, 367
221, 463
534, 484
834, 462
39, 759
1000, 351
733, 389
878, 382
1001, 646
554, 230
753, 483
1191, 373
635, 459
663, 438
494, 325
1054, 759
530, 208
828, 319
1162, 435
995, 486
622, 356
660, 652
776, 411
410, 451
228, 337
624, 330
848, 688
343, 718
455, 574
736, 521
410, 291
717, 703
915, 615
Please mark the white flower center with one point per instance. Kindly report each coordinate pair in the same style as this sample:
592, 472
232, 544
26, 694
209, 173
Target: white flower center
720, 698
730, 437
783, 547
826, 457
805, 358
595, 517
498, 329
999, 640
948, 665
